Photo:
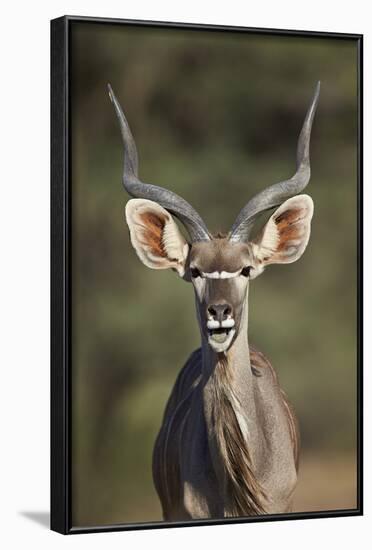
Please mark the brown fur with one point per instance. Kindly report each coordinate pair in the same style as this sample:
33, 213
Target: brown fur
219, 254
288, 228
289, 233
153, 232
288, 217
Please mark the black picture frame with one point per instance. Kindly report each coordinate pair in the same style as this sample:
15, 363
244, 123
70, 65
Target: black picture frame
61, 205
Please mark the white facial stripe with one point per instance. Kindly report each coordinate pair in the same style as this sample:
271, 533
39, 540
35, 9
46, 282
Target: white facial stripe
214, 275
221, 274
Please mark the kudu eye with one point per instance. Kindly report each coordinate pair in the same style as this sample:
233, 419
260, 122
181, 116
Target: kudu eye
246, 271
195, 272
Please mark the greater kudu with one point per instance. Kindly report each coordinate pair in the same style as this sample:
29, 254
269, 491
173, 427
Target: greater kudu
229, 443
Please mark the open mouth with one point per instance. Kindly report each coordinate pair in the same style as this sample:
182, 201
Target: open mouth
220, 338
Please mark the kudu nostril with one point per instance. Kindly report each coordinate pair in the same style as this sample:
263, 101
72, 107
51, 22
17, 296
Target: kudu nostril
212, 311
220, 312
227, 311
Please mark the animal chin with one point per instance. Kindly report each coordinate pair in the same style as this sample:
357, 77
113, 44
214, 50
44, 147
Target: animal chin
220, 338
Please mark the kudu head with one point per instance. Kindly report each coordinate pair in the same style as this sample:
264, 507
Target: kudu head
219, 268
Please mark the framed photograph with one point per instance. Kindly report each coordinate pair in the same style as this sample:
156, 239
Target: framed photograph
206, 358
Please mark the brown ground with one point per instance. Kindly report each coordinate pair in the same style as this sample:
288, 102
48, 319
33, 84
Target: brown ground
326, 483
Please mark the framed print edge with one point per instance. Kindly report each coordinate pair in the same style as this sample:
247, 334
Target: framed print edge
360, 425
59, 280
61, 285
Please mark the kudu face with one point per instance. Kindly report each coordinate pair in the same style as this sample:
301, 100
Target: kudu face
219, 268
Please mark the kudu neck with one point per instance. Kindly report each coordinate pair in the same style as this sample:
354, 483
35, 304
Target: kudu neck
237, 355
231, 424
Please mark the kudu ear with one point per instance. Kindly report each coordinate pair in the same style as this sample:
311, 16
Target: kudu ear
285, 236
155, 236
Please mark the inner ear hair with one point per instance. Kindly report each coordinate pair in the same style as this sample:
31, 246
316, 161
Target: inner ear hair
286, 234
155, 236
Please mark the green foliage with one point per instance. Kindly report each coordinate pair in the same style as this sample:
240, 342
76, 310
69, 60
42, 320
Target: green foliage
216, 118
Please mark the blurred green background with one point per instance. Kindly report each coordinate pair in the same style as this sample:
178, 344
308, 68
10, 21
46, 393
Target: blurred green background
216, 118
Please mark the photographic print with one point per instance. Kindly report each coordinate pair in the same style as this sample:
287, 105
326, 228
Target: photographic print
206, 191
